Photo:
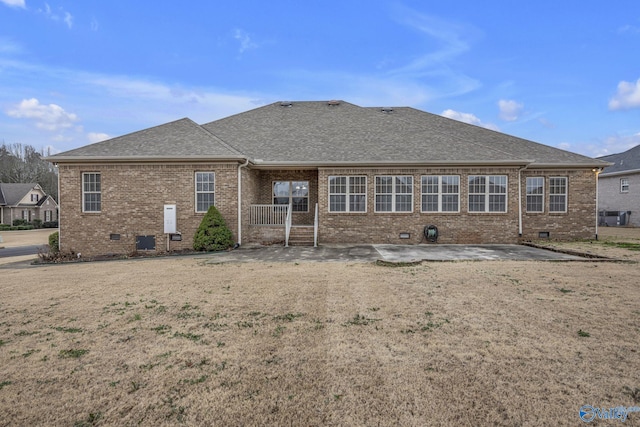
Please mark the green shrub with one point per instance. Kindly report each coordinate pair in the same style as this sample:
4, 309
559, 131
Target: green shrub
213, 233
4, 227
54, 242
50, 224
37, 223
22, 227
18, 222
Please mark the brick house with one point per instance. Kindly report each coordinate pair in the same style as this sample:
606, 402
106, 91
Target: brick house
26, 201
619, 189
347, 173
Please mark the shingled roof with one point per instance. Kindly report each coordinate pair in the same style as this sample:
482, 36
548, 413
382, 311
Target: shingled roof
12, 193
325, 133
181, 139
628, 161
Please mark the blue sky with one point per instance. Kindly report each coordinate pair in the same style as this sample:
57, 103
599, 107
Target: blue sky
563, 73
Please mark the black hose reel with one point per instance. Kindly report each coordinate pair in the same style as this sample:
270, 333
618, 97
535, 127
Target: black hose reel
431, 233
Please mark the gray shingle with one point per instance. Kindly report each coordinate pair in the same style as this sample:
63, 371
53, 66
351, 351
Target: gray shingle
179, 139
12, 193
322, 133
626, 161
318, 133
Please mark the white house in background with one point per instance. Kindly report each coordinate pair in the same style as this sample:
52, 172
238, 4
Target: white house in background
619, 189
26, 201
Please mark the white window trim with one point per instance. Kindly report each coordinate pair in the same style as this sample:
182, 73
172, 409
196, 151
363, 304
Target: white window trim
526, 196
196, 192
393, 194
565, 194
347, 194
624, 182
439, 194
84, 192
487, 195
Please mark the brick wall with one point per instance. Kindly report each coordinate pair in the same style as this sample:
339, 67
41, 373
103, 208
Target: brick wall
133, 199
578, 222
460, 227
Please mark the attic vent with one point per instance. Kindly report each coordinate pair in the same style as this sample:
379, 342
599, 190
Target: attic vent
387, 110
286, 104
333, 103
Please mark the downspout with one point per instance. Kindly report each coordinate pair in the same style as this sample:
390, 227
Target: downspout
520, 200
246, 163
59, 203
597, 171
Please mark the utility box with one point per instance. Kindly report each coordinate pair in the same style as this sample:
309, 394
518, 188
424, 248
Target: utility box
170, 219
146, 243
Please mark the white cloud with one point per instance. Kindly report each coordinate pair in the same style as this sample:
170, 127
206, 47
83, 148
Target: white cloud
67, 18
245, 40
468, 118
14, 3
509, 110
9, 46
97, 137
627, 96
629, 29
50, 117
442, 43
613, 144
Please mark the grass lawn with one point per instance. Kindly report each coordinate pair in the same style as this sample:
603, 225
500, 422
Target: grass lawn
172, 341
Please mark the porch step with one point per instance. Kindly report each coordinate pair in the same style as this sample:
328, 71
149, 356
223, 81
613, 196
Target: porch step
301, 236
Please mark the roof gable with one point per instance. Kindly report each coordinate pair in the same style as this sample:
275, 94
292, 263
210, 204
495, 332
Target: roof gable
13, 193
179, 139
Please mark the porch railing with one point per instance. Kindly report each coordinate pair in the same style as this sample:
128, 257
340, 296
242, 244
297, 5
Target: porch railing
268, 214
315, 228
287, 226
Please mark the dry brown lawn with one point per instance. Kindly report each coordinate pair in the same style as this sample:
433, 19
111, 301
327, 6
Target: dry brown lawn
172, 341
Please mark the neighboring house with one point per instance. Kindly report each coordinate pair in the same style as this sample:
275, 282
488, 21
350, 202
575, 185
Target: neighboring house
619, 189
376, 175
27, 202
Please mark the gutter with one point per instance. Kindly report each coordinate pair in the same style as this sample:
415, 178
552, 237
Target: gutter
600, 164
619, 173
138, 159
261, 164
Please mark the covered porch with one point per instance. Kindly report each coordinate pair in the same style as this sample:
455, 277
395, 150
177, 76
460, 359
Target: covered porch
283, 207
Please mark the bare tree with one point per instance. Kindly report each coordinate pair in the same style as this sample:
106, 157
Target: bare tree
23, 163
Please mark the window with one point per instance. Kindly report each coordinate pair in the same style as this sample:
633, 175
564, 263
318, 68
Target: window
205, 191
488, 193
557, 194
294, 192
47, 216
394, 193
624, 185
25, 215
535, 194
34, 197
347, 194
91, 192
440, 193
